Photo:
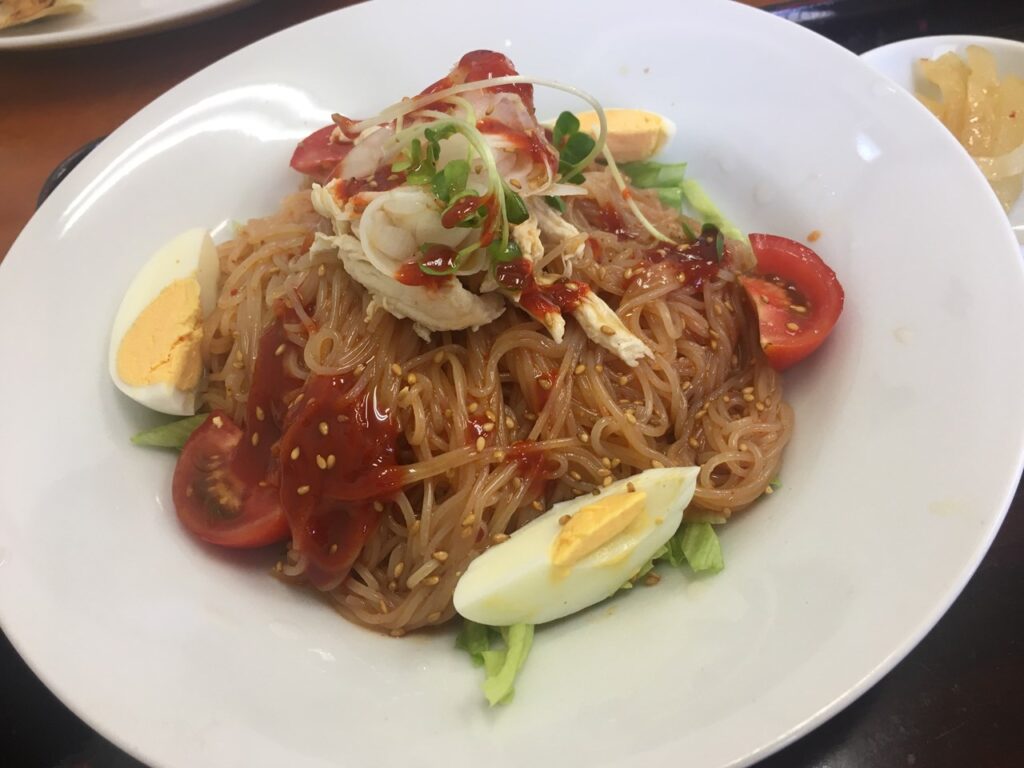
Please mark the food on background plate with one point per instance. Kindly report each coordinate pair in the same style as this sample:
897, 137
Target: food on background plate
478, 367
984, 112
16, 12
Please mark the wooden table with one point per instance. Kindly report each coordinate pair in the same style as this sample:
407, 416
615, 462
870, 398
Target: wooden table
955, 701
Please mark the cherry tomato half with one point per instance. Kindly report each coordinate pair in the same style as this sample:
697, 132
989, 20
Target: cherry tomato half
796, 295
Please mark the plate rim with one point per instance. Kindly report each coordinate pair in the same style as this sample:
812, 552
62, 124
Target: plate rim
836, 705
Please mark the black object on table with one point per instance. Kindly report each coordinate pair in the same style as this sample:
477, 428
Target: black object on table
957, 700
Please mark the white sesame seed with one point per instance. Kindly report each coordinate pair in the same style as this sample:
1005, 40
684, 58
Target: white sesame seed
218, 422
378, 507
255, 439
440, 556
607, 330
606, 482
488, 427
480, 444
472, 407
321, 461
792, 327
657, 464
302, 490
280, 350
396, 369
295, 453
323, 427
330, 461
333, 549
581, 368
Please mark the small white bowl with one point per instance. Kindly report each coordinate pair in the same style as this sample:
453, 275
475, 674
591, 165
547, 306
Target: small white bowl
896, 61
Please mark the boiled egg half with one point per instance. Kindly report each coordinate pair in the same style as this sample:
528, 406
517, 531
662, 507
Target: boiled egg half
155, 345
578, 553
633, 134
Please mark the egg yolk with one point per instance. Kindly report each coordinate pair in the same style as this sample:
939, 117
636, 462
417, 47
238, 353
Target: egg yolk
595, 525
162, 346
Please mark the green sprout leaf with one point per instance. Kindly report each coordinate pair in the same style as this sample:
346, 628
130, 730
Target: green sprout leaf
555, 202
566, 125
515, 208
451, 180
509, 252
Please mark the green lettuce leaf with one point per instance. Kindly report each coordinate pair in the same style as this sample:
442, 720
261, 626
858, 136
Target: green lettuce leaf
669, 179
700, 546
501, 664
171, 435
696, 545
707, 211
647, 174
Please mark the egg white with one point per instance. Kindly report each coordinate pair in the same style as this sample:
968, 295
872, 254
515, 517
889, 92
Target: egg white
516, 582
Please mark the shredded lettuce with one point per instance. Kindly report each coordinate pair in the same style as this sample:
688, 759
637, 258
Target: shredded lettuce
647, 174
171, 435
707, 211
501, 664
700, 546
669, 179
694, 544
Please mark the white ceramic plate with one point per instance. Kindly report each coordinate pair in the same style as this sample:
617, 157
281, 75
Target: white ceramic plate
907, 449
110, 19
897, 61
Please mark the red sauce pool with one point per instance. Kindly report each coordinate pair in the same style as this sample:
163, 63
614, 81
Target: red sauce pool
438, 258
345, 459
605, 218
382, 180
463, 208
483, 65
531, 460
690, 260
